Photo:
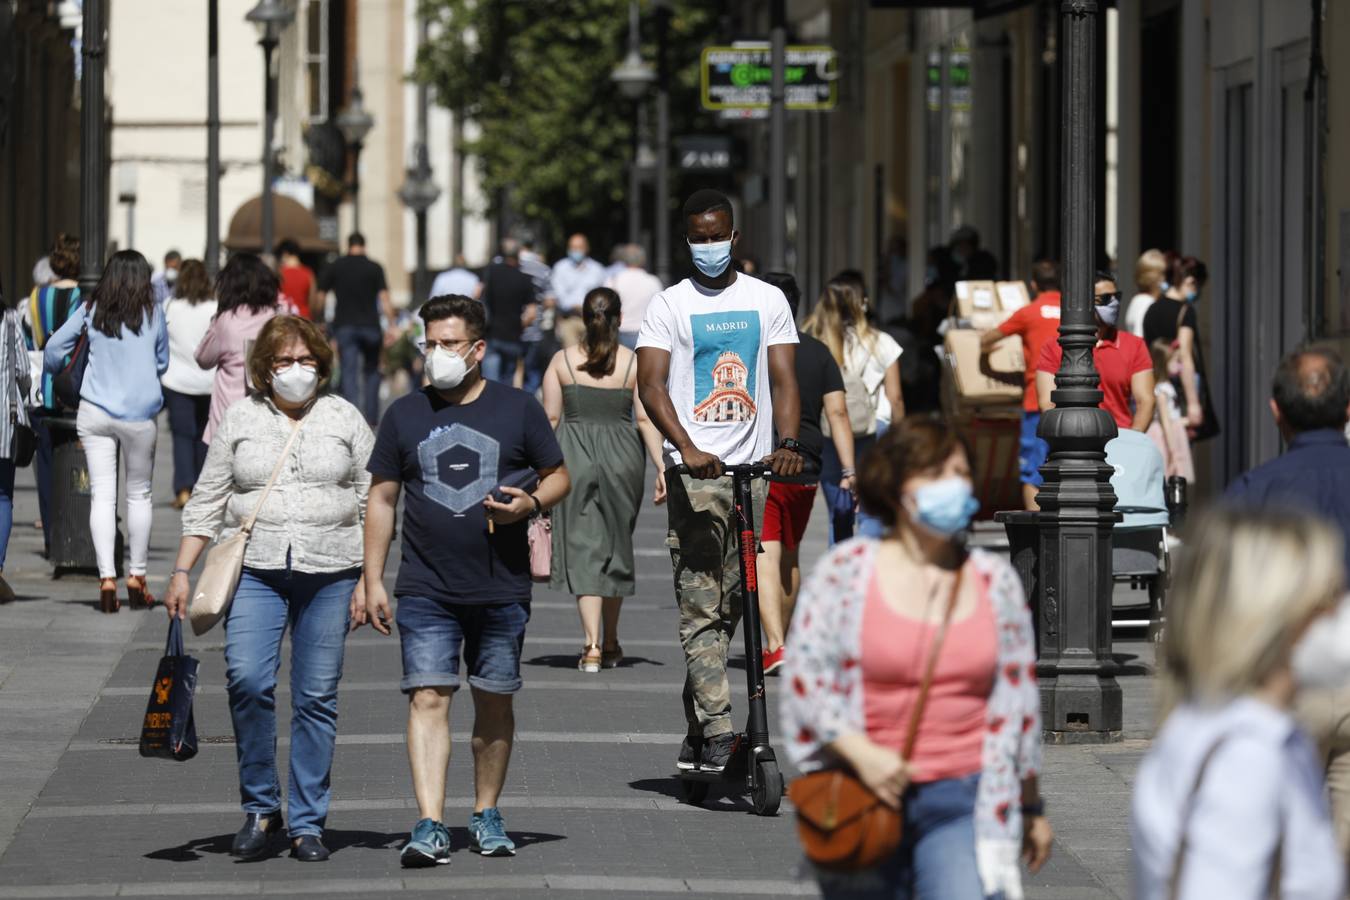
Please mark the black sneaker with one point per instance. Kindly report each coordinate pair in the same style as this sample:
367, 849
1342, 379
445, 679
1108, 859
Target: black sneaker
689, 752
717, 752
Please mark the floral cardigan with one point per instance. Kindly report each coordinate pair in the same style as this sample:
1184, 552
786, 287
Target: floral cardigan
824, 698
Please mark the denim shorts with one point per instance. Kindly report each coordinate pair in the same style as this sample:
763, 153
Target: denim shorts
1033, 450
432, 634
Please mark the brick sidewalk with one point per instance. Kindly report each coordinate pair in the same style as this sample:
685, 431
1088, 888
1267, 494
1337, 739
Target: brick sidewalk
590, 797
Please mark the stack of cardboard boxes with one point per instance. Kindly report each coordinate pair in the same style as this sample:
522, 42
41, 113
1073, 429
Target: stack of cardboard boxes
982, 394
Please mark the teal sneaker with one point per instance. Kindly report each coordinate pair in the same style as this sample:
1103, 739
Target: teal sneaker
488, 833
428, 845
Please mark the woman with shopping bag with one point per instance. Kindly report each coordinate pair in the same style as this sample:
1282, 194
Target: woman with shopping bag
284, 493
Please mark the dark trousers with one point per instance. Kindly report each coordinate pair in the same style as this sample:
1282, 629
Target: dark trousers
42, 474
188, 414
359, 352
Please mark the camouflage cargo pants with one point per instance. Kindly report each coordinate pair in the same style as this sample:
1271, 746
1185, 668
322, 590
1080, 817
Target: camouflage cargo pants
704, 541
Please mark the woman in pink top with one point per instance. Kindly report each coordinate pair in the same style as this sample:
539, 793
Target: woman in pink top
246, 298
861, 636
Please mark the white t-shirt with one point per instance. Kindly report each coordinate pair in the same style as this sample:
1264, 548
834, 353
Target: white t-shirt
187, 323
635, 288
869, 360
1134, 313
719, 362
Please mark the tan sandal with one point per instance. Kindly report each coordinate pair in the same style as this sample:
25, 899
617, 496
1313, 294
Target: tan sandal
590, 659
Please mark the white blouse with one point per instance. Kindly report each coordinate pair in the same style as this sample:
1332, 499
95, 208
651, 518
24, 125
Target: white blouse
1261, 794
316, 511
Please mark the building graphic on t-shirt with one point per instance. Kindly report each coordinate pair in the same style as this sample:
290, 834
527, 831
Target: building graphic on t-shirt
459, 466
729, 400
726, 357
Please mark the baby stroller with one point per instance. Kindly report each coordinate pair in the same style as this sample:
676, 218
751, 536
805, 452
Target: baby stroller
1139, 542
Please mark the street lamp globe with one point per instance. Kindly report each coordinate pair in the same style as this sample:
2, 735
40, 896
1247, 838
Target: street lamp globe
271, 17
355, 122
633, 75
418, 191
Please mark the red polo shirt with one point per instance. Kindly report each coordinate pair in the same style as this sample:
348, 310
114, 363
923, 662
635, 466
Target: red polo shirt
1037, 324
1117, 360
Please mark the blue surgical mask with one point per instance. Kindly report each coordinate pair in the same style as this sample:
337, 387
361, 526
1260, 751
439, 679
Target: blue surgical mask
711, 259
945, 507
1192, 296
1109, 313
576, 256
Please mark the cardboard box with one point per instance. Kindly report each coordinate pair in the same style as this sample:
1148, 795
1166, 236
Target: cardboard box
976, 298
1012, 296
978, 380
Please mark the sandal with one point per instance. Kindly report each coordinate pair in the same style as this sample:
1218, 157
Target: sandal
107, 597
590, 659
138, 595
610, 659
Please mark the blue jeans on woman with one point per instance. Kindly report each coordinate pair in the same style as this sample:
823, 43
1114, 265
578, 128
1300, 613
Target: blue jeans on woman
936, 859
316, 609
6, 506
831, 473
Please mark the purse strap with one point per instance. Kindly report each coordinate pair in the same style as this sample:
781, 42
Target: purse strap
930, 668
247, 527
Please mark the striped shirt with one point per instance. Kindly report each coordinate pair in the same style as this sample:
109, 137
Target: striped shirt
46, 311
15, 381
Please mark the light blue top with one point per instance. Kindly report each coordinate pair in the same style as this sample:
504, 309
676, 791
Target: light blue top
122, 377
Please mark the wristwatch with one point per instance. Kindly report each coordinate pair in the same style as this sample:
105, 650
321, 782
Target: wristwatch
790, 444
538, 507
1033, 810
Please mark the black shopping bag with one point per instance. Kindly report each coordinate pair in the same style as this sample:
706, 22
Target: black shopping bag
168, 731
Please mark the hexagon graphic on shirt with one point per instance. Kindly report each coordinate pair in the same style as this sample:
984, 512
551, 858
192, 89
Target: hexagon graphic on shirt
459, 466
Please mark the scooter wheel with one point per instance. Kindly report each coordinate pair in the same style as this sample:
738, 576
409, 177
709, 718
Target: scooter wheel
695, 792
767, 794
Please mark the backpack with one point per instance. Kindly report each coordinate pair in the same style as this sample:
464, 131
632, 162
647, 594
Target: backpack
861, 404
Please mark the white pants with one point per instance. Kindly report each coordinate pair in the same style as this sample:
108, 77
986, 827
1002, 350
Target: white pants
101, 435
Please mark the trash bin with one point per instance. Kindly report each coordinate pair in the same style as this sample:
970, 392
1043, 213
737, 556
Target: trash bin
72, 546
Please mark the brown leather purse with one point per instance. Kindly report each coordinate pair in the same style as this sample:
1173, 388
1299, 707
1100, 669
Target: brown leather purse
841, 824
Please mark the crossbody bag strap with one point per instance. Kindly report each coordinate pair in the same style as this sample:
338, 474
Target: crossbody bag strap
930, 668
1187, 811
247, 527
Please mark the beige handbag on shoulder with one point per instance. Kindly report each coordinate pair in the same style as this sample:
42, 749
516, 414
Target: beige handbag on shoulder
225, 561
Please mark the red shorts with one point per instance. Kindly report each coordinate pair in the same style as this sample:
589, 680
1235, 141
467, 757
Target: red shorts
786, 513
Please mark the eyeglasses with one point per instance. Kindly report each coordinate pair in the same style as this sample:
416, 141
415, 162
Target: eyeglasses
282, 363
425, 346
1105, 299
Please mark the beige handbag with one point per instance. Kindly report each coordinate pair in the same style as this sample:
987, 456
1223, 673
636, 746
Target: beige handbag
225, 561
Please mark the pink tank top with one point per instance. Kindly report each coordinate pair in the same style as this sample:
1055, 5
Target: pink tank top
895, 650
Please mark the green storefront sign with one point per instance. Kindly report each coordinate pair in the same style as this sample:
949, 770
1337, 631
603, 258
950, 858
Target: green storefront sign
741, 77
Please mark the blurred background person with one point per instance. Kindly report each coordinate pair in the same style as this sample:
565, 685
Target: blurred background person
512, 305
298, 284
787, 511
163, 280
636, 287
1229, 801
972, 776
1168, 428
973, 262
1173, 319
301, 570
590, 395
15, 384
246, 298
918, 336
120, 397
458, 279
1150, 280
42, 272
538, 336
47, 309
361, 295
187, 386
870, 362
574, 276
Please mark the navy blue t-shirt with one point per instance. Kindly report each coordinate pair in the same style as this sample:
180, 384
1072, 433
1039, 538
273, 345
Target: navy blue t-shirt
449, 458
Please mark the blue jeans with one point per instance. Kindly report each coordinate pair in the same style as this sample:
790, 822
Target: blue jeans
538, 354
42, 475
188, 414
499, 363
6, 506
433, 633
359, 353
864, 522
1033, 451
936, 859
316, 609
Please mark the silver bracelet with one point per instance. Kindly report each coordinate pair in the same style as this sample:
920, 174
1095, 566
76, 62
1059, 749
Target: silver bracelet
847, 473
187, 572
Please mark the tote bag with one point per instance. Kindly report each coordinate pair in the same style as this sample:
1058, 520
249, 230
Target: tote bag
168, 731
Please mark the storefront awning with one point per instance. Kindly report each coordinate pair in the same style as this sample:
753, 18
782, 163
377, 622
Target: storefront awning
290, 220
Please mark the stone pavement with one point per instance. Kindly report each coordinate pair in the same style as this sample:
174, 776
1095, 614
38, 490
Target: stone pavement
590, 798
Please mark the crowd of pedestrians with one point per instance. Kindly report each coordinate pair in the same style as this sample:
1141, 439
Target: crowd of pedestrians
521, 455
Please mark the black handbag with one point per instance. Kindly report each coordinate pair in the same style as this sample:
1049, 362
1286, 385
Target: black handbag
66, 384
25, 442
168, 731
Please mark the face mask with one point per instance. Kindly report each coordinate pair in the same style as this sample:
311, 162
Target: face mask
1109, 313
711, 259
576, 256
1192, 296
170, 275
446, 370
945, 507
1322, 656
296, 384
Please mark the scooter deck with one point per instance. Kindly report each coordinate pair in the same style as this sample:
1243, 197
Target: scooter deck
737, 769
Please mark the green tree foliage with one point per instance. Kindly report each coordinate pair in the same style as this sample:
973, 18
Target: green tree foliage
555, 133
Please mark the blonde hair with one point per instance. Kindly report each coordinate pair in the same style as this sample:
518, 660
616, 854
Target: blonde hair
840, 312
1150, 271
1247, 585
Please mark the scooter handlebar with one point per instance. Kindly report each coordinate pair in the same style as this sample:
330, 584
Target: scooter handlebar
749, 470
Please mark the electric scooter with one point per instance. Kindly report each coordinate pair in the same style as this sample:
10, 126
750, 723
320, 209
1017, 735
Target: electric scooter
753, 763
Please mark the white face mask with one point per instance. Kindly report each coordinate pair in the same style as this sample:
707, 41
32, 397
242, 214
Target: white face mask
1322, 656
445, 369
296, 384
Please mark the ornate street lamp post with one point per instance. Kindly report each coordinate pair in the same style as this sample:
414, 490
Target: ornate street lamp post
271, 18
419, 192
355, 123
93, 159
633, 76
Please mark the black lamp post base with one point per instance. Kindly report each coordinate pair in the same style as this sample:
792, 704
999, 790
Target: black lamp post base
1080, 708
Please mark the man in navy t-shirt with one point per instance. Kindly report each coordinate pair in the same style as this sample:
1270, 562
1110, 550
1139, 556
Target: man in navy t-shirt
469, 452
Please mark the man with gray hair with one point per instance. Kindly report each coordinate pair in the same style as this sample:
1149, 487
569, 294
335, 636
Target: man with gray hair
635, 287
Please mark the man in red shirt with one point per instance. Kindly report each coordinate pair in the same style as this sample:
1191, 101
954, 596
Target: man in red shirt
297, 279
1122, 360
1037, 324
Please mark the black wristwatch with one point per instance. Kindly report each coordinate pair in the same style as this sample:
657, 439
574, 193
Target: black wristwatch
790, 444
538, 507
1033, 810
